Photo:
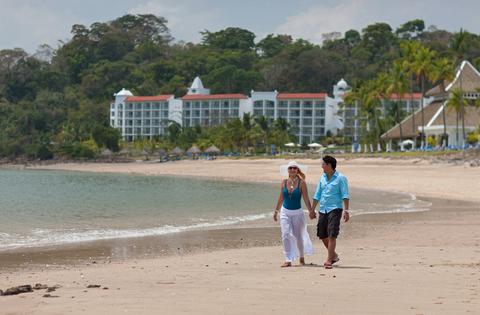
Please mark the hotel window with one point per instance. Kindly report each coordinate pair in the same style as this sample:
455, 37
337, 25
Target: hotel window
156, 122
234, 112
307, 112
112, 114
146, 130
204, 105
138, 114
129, 114
164, 105
155, 131
130, 122
165, 113
215, 104
129, 106
119, 122
156, 105
320, 112
196, 105
147, 105
319, 130
295, 113
320, 104
307, 130
138, 122
195, 121
226, 103
270, 112
138, 106
186, 105
120, 106
320, 121
258, 104
147, 114
205, 112
205, 121
156, 114
282, 113
307, 104
138, 131
196, 113
225, 112
306, 139
187, 113
295, 104
128, 130
146, 122
258, 112
214, 113
282, 104
112, 122
236, 103
307, 121
270, 104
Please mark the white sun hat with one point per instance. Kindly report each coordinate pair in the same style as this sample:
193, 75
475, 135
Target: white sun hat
284, 168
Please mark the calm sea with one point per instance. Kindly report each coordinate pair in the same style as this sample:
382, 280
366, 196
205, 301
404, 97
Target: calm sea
40, 208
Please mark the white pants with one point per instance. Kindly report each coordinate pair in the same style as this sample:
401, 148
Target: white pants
295, 238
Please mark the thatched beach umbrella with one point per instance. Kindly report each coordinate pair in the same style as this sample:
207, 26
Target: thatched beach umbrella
212, 150
194, 150
162, 152
177, 151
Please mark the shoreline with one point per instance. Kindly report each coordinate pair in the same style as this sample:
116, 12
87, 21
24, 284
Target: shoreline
396, 263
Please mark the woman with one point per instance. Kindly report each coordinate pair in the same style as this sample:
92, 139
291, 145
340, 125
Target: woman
295, 238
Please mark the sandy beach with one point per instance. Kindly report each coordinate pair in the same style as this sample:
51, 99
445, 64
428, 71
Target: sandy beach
405, 263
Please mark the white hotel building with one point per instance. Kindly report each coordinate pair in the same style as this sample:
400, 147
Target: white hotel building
311, 115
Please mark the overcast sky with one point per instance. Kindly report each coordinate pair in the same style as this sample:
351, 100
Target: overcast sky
30, 23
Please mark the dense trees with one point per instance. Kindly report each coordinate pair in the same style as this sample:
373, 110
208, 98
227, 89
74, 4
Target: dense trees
56, 102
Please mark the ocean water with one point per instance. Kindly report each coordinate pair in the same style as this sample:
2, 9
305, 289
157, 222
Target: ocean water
39, 208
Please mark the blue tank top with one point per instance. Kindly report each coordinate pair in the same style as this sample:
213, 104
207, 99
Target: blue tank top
292, 201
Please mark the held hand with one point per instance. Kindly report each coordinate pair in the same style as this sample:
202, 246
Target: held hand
275, 216
312, 215
346, 215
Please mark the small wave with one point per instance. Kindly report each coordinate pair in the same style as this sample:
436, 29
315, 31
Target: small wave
47, 237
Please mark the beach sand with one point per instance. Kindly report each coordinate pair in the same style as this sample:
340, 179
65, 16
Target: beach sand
405, 263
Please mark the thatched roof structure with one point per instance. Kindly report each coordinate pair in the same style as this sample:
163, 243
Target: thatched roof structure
177, 151
212, 150
194, 150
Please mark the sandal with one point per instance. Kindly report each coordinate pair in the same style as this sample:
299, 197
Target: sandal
335, 260
286, 264
328, 265
302, 261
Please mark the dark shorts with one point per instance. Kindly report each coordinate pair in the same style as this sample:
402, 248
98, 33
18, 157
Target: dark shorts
329, 224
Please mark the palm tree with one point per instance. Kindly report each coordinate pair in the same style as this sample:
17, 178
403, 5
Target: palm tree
443, 70
422, 65
460, 45
455, 102
397, 83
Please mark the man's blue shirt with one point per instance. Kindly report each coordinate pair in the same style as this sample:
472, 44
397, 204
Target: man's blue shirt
330, 193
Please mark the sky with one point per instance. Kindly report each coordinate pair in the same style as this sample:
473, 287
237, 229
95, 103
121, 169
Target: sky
30, 23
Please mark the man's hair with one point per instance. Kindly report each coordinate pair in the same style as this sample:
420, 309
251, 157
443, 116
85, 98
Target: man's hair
330, 160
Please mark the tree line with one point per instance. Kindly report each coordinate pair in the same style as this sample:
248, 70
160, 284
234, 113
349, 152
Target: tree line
55, 102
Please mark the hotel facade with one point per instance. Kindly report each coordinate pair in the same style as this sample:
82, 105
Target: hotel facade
310, 115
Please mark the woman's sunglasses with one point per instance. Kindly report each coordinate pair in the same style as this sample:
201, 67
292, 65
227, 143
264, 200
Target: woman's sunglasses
293, 168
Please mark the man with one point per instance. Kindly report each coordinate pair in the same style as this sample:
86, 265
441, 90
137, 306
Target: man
332, 193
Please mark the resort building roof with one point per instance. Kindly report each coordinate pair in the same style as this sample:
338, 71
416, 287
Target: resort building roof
287, 96
148, 98
200, 97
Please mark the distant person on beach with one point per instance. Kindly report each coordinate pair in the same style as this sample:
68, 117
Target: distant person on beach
332, 193
293, 224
